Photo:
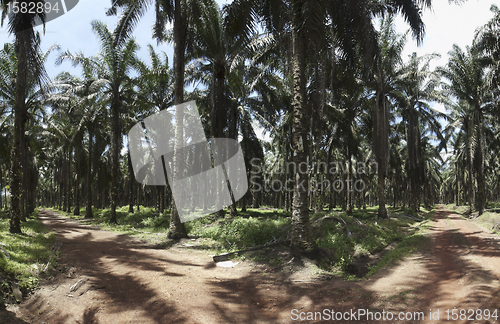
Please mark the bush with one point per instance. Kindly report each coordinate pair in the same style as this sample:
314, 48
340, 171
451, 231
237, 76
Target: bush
243, 232
28, 252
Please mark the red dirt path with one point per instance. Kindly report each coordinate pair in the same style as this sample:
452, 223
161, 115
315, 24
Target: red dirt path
127, 281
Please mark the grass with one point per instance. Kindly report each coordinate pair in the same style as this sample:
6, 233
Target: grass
250, 228
145, 224
241, 232
417, 241
462, 209
489, 219
27, 254
258, 226
372, 237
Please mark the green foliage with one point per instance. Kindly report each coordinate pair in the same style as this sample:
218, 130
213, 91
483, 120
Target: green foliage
146, 217
241, 232
409, 245
160, 221
370, 238
254, 227
27, 252
490, 218
258, 226
334, 239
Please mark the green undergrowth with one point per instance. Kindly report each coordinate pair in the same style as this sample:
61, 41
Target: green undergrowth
139, 223
417, 240
256, 227
250, 228
462, 210
370, 236
490, 217
23, 256
243, 231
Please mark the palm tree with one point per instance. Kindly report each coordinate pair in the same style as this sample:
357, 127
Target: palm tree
34, 113
181, 13
432, 166
418, 86
81, 97
385, 75
154, 93
27, 44
487, 43
266, 77
8, 66
117, 58
346, 122
466, 79
351, 26
154, 84
221, 56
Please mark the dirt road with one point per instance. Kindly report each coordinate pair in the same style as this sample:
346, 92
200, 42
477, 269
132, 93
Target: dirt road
116, 279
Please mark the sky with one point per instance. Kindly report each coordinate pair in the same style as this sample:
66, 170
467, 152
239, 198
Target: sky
73, 32
446, 24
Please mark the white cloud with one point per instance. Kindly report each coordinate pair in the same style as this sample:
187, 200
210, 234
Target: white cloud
447, 24
72, 31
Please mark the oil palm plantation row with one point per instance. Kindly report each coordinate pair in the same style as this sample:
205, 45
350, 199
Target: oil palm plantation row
472, 83
328, 86
29, 70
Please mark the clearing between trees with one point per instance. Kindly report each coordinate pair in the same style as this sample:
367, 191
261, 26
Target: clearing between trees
106, 277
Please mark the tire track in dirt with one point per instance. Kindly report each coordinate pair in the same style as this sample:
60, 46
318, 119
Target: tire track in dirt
460, 276
460, 271
128, 282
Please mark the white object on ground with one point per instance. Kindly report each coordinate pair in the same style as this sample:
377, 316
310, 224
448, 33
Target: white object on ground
227, 264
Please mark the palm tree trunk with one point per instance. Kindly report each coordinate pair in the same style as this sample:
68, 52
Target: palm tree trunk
32, 184
22, 38
76, 211
130, 185
1, 186
349, 183
60, 184
158, 199
88, 209
24, 178
470, 186
233, 133
218, 119
479, 164
381, 147
68, 178
413, 160
139, 196
256, 193
115, 149
301, 227
329, 179
176, 229
459, 183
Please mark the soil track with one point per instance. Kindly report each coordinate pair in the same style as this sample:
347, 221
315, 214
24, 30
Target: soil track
126, 281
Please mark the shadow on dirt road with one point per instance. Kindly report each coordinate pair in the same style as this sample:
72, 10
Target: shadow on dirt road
111, 278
